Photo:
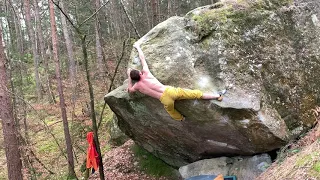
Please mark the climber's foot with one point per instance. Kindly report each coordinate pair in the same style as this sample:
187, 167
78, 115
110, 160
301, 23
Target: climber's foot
223, 92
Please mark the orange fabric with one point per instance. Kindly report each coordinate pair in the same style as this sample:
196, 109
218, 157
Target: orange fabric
92, 155
219, 177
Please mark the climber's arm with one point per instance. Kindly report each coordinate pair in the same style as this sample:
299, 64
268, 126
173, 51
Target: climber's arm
131, 88
142, 58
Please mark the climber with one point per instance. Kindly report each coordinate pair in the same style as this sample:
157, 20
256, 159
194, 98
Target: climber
147, 84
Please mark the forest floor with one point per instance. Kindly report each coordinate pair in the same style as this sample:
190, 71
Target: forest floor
47, 142
121, 164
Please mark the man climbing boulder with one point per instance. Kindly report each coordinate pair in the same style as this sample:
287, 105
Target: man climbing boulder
146, 83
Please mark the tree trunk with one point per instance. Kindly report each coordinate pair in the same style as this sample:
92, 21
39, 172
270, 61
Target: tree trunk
11, 142
130, 19
169, 9
12, 53
159, 11
115, 20
49, 82
175, 7
99, 55
69, 45
39, 29
72, 63
154, 13
20, 103
20, 40
42, 49
72, 173
34, 48
93, 113
146, 11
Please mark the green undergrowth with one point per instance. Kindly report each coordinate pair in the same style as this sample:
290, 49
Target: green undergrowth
150, 164
316, 167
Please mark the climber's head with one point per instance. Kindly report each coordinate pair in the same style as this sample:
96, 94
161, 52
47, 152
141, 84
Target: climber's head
135, 74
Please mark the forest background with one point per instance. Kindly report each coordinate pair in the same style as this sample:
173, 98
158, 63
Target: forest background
58, 59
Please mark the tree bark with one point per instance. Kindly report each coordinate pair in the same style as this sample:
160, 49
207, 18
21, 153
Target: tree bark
69, 45
93, 113
154, 12
169, 9
130, 19
146, 10
159, 11
11, 142
42, 48
39, 29
99, 55
85, 60
12, 53
72, 173
34, 48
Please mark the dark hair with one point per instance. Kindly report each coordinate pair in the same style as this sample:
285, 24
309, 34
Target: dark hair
135, 75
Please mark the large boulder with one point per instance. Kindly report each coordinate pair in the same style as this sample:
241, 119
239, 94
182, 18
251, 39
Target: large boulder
268, 50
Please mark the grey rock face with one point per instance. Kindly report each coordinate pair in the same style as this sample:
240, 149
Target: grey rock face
117, 137
244, 168
268, 50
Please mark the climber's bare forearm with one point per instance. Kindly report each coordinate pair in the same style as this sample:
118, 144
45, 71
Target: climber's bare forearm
142, 57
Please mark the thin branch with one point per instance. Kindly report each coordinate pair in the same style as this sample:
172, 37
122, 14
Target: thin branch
25, 143
74, 26
45, 124
39, 161
100, 120
13, 9
93, 14
130, 20
115, 71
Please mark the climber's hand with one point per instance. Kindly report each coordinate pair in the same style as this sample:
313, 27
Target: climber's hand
136, 45
128, 71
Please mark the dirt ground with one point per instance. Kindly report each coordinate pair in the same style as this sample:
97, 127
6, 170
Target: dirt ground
120, 164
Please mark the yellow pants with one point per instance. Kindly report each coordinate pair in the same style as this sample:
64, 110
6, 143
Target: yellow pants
171, 94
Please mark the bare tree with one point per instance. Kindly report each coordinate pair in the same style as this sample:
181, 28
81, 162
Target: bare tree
72, 62
86, 65
12, 53
130, 19
146, 11
169, 8
11, 141
154, 12
69, 45
39, 29
45, 61
34, 48
99, 55
72, 173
